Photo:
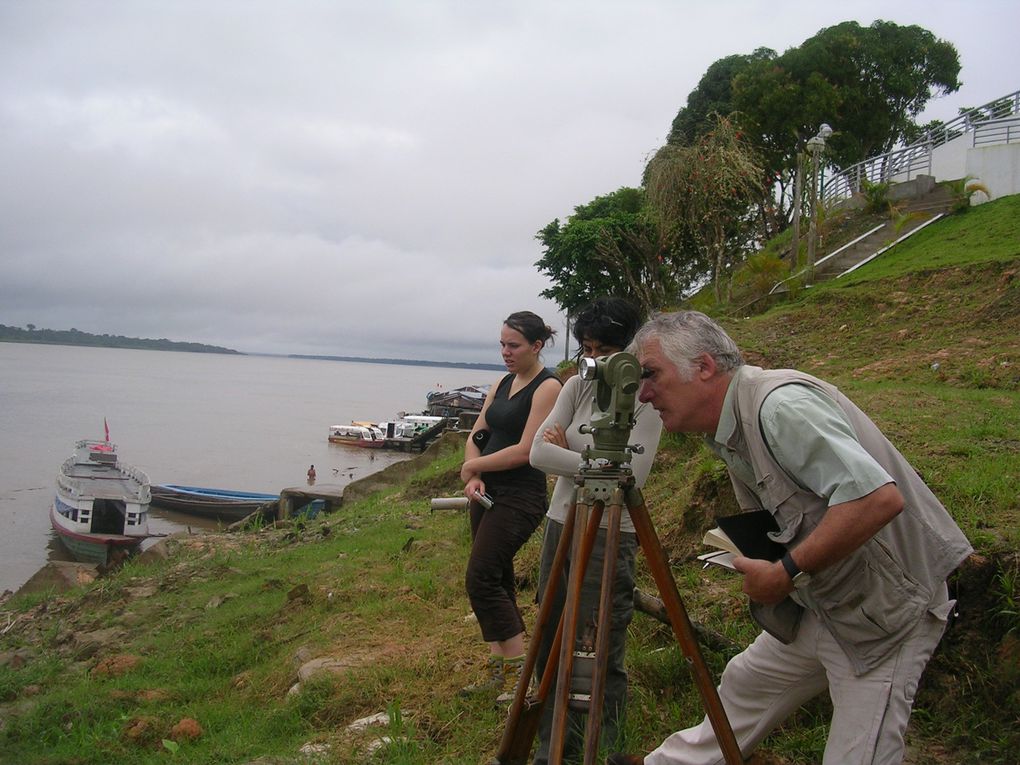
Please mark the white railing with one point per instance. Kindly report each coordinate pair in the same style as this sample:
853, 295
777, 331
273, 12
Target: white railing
1004, 130
996, 122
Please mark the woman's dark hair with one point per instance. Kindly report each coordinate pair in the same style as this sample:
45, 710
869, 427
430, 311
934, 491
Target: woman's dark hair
531, 326
608, 321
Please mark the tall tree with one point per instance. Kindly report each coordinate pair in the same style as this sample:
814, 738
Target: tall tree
701, 194
882, 76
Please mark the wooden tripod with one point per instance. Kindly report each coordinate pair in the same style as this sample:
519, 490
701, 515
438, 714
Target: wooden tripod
607, 489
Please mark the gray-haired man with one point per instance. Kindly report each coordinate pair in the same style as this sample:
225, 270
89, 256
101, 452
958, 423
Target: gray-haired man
859, 601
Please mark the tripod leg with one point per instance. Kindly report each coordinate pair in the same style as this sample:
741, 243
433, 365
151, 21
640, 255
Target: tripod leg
553, 661
523, 717
525, 713
603, 634
583, 543
682, 628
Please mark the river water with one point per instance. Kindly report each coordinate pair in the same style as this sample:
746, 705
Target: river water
252, 423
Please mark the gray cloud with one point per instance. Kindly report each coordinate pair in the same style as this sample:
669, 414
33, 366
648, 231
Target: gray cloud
351, 178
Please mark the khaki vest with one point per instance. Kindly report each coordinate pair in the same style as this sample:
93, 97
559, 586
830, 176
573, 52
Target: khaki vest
871, 599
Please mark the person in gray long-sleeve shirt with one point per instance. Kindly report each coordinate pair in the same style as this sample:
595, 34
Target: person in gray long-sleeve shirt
604, 327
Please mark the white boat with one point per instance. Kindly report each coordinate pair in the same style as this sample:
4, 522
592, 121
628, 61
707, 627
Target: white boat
102, 505
410, 425
357, 434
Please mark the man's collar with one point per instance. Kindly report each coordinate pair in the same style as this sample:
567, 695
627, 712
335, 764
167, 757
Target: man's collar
727, 433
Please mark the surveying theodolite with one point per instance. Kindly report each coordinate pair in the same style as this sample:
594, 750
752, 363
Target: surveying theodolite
604, 484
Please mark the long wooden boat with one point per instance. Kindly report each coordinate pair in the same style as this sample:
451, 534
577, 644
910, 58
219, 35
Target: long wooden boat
101, 506
219, 504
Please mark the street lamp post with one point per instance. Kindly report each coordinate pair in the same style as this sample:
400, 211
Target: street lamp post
798, 194
815, 147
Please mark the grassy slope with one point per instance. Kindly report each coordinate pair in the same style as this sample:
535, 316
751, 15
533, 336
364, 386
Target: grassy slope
218, 639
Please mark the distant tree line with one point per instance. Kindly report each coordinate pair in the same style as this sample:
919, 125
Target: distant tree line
76, 337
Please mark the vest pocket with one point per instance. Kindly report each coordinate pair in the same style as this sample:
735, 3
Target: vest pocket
772, 494
868, 601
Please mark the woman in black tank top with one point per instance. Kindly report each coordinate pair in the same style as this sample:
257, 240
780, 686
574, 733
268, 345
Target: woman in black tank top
511, 415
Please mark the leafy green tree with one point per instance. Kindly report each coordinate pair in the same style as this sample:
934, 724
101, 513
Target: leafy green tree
702, 193
610, 246
877, 79
713, 95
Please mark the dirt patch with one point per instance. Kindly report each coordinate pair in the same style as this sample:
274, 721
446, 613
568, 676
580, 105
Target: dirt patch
187, 729
115, 666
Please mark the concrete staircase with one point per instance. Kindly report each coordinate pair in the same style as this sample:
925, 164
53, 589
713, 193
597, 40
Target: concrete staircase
913, 215
915, 211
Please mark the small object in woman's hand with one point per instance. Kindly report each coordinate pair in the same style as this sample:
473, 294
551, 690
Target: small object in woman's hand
484, 500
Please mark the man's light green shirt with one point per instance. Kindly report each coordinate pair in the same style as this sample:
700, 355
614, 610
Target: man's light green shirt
811, 439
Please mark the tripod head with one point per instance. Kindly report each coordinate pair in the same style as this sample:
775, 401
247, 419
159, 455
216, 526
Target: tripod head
617, 379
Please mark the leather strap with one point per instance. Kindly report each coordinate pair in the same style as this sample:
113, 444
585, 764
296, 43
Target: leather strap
792, 569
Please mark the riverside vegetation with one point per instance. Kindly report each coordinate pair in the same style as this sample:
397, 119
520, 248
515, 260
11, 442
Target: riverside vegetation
194, 658
37, 336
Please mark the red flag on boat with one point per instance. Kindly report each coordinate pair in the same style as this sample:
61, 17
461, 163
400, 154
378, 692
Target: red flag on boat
106, 428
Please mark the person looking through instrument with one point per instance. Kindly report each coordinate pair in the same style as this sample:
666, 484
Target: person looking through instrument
507, 495
604, 327
858, 602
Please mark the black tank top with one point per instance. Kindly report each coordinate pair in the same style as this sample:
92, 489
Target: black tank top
506, 417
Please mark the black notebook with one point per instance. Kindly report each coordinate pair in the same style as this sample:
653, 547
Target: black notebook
745, 534
749, 532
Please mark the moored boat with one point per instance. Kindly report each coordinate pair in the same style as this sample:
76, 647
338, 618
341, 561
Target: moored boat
101, 505
357, 434
451, 403
219, 504
412, 425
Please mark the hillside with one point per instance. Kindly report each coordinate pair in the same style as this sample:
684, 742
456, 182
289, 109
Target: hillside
925, 339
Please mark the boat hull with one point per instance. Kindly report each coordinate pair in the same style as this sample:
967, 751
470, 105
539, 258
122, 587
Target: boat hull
366, 435
92, 548
364, 443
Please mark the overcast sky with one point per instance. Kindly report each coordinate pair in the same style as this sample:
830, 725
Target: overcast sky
355, 178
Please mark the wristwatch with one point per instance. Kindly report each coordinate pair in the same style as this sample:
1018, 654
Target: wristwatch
798, 577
